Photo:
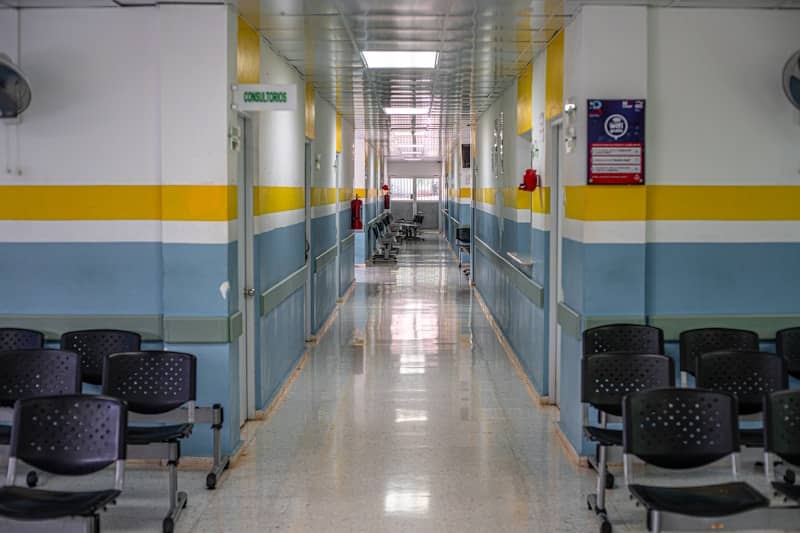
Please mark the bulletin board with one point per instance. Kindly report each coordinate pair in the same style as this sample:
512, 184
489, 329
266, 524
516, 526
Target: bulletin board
616, 137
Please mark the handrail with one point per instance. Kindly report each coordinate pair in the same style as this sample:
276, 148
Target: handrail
325, 257
528, 287
272, 297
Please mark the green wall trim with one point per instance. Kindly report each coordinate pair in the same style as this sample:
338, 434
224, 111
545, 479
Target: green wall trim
532, 290
569, 320
325, 257
271, 298
764, 325
347, 241
594, 321
152, 328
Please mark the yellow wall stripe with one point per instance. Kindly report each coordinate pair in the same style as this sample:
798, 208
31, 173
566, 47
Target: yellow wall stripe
516, 199
248, 54
721, 202
338, 133
465, 192
554, 77
270, 199
525, 100
311, 111
541, 201
362, 193
345, 195
323, 195
683, 202
119, 202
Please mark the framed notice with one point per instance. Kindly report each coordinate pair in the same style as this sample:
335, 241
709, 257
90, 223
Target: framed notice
615, 142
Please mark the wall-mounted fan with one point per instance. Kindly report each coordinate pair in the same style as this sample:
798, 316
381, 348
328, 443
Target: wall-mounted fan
791, 79
15, 90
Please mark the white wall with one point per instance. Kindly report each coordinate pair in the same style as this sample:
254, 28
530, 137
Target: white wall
281, 133
716, 110
414, 168
94, 115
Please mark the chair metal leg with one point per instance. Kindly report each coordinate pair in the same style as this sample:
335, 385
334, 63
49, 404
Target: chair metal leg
220, 462
601, 479
177, 500
655, 522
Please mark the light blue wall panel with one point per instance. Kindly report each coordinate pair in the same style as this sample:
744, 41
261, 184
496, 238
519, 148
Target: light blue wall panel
279, 253
723, 278
81, 278
324, 293
346, 267
193, 274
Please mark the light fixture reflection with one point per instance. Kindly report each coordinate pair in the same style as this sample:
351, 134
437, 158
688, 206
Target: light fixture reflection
410, 415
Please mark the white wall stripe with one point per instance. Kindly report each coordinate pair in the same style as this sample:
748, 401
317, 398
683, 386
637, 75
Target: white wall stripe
318, 211
710, 231
281, 219
58, 231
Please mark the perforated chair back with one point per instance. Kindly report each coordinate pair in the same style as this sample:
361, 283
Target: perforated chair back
151, 382
607, 378
93, 345
617, 338
69, 435
782, 425
787, 345
31, 373
418, 218
747, 375
20, 339
699, 341
680, 428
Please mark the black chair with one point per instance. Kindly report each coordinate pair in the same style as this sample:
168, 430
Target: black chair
782, 438
695, 342
617, 338
605, 379
679, 429
20, 339
747, 375
787, 345
93, 345
33, 373
155, 383
70, 435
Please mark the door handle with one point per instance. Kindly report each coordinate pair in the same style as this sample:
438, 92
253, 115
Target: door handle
249, 292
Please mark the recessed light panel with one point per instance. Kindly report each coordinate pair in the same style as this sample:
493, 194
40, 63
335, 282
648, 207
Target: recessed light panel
406, 110
400, 59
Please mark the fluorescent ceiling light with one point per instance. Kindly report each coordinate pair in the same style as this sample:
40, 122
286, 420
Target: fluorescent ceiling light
399, 59
412, 152
406, 110
410, 146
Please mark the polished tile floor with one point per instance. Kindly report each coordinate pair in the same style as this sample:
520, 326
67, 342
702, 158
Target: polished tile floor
408, 416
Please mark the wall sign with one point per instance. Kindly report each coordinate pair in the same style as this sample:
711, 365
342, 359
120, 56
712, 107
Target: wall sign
265, 97
616, 142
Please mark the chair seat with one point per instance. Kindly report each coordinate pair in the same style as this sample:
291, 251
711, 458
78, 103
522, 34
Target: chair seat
704, 501
150, 434
22, 503
605, 436
751, 438
790, 491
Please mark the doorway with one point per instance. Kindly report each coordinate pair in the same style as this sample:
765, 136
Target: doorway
555, 165
246, 168
413, 196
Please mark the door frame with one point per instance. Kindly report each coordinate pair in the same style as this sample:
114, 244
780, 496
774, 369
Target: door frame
554, 170
309, 174
248, 145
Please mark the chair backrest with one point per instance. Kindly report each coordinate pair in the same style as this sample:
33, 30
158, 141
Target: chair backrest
632, 338
69, 435
31, 373
418, 218
787, 345
782, 425
680, 428
151, 382
93, 345
463, 234
699, 341
607, 377
747, 375
20, 339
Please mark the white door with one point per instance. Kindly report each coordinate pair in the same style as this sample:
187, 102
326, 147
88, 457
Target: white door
556, 291
246, 294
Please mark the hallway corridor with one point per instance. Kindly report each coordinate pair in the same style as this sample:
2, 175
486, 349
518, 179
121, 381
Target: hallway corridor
408, 416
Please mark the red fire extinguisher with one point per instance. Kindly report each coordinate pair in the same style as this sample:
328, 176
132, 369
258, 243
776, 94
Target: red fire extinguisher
530, 180
386, 198
355, 214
